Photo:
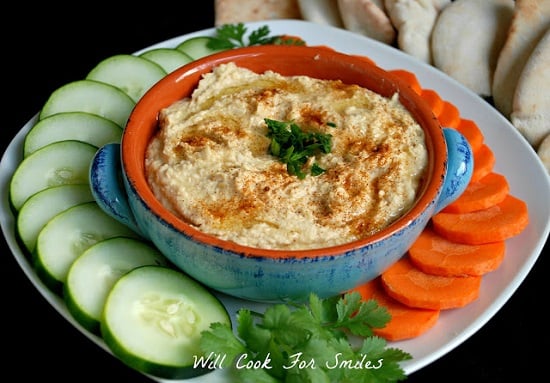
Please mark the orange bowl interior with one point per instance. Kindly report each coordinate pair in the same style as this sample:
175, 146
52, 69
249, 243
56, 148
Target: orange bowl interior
316, 62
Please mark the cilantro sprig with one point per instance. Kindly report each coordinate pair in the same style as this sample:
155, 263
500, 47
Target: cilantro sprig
292, 146
308, 342
230, 36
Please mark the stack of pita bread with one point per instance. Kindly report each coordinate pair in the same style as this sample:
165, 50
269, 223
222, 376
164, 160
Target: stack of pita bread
499, 49
407, 24
467, 39
237, 11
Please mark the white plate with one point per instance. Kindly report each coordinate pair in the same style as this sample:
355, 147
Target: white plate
514, 158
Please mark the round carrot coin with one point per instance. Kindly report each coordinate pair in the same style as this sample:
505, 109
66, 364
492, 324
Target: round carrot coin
411, 286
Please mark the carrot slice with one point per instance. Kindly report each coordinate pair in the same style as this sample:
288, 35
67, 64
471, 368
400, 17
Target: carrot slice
484, 162
496, 223
449, 116
408, 77
409, 285
433, 99
406, 322
480, 194
473, 134
433, 254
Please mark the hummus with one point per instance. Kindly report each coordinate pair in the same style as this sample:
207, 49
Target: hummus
210, 163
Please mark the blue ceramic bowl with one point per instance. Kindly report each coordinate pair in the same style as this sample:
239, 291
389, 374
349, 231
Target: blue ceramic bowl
274, 275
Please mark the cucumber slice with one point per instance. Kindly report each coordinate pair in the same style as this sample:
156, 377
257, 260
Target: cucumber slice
90, 96
59, 163
81, 126
43, 206
92, 275
133, 75
168, 58
197, 47
69, 234
153, 318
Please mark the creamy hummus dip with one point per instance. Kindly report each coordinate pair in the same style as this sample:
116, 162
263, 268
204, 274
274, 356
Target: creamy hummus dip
210, 162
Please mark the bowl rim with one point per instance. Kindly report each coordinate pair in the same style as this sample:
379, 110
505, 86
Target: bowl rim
142, 124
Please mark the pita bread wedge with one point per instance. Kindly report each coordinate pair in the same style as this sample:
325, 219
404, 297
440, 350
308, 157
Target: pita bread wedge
531, 105
367, 17
440, 4
544, 152
530, 20
236, 11
467, 38
414, 21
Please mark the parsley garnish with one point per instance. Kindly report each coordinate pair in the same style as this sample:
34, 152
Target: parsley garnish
308, 343
294, 147
230, 36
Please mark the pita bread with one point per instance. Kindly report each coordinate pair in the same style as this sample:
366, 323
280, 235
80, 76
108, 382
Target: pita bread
414, 21
544, 152
467, 38
236, 11
530, 20
367, 17
440, 4
321, 12
531, 105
